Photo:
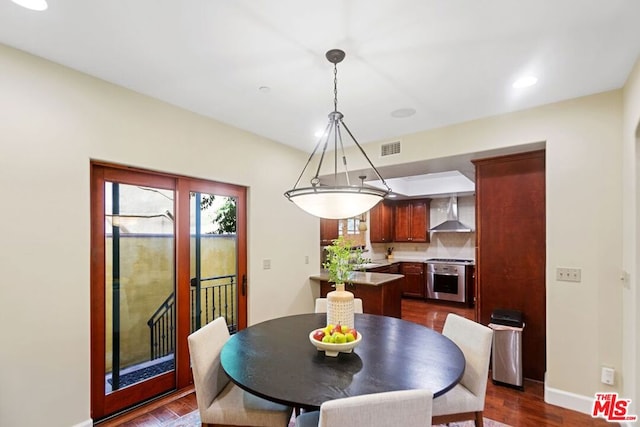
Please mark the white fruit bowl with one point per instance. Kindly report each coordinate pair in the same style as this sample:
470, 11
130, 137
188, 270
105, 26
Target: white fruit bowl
332, 349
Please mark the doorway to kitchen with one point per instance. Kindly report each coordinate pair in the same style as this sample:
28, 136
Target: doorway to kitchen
168, 255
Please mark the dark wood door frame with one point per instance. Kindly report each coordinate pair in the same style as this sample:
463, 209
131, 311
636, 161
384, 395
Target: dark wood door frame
102, 405
185, 187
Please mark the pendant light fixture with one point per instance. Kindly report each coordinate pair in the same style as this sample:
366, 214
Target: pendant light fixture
335, 201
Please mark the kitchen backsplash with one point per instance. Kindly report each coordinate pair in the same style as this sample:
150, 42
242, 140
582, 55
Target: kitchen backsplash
442, 245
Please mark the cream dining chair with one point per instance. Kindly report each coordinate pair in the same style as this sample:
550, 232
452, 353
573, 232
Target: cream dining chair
466, 400
321, 305
221, 402
405, 408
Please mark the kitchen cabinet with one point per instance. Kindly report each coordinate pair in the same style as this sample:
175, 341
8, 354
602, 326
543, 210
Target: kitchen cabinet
510, 260
412, 221
384, 299
328, 231
414, 279
394, 268
391, 269
470, 285
381, 223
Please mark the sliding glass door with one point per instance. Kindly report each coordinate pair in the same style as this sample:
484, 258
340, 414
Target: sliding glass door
168, 256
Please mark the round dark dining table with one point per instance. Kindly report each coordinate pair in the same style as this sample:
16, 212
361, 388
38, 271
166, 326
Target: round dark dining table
275, 360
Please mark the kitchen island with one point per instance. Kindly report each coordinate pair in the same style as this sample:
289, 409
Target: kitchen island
381, 293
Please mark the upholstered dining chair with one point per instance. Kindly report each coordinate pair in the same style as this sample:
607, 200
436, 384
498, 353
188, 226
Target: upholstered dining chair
406, 408
221, 402
466, 400
321, 305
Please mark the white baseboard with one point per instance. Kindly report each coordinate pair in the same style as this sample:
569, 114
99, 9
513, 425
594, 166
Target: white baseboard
565, 399
86, 423
575, 402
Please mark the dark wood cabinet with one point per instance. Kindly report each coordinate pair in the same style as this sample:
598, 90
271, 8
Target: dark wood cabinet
328, 231
391, 269
414, 279
412, 221
470, 285
381, 223
510, 260
385, 299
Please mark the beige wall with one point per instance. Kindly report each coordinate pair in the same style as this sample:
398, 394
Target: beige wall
631, 222
53, 122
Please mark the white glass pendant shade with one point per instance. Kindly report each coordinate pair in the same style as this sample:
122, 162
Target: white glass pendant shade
335, 202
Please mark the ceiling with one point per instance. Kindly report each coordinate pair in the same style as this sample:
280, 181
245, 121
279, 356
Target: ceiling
260, 65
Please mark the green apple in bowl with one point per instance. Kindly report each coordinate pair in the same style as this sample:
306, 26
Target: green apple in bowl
335, 342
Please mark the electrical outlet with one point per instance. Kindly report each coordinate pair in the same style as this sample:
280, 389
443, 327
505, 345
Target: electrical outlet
607, 376
266, 264
568, 274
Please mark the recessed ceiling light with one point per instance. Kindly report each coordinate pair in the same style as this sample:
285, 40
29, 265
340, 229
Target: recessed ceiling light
38, 5
525, 81
319, 133
403, 112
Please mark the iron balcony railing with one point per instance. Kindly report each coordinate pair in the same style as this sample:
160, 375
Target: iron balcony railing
216, 299
162, 327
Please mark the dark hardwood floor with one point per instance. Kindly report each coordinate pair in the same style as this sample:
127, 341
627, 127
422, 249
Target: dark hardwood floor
509, 406
506, 405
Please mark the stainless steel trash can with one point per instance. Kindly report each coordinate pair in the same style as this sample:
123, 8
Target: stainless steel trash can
506, 357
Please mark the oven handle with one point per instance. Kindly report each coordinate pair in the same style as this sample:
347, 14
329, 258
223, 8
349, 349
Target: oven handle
433, 273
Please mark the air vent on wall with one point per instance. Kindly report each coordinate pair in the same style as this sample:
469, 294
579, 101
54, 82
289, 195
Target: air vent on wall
390, 149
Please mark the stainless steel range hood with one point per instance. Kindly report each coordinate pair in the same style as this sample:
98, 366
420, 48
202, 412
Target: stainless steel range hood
452, 224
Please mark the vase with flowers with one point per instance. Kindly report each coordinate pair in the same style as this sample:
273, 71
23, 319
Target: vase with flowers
342, 260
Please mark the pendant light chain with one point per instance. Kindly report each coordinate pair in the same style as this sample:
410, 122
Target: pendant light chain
338, 136
335, 87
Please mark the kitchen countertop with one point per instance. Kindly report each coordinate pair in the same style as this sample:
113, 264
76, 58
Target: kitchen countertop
363, 278
385, 262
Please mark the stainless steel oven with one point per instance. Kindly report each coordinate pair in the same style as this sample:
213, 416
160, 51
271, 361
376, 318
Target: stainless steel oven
447, 279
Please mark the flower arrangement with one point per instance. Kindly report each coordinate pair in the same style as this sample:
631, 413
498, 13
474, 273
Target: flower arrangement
342, 259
